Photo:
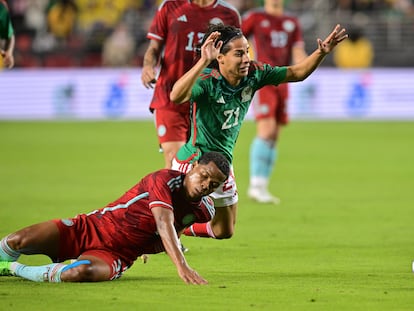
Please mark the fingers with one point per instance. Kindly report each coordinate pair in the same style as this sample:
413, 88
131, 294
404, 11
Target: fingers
149, 84
197, 280
212, 38
338, 34
148, 79
193, 278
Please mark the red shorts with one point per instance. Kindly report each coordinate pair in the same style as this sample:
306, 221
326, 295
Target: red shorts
172, 125
271, 102
76, 239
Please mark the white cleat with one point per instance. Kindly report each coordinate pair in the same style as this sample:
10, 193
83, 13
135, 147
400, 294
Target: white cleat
262, 196
183, 248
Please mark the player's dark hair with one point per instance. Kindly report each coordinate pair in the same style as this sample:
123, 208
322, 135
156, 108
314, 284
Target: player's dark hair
227, 34
218, 159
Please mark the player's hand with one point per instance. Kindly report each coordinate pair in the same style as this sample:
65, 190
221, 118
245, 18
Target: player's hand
209, 49
336, 36
148, 77
191, 276
8, 59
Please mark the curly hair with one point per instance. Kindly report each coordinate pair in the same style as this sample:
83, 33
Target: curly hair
219, 160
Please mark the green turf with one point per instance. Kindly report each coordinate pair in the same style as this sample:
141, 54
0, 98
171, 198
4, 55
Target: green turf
342, 239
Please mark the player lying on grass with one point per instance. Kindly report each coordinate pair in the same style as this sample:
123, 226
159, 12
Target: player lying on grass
147, 219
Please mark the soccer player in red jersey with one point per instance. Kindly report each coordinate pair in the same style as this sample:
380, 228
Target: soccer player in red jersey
147, 219
176, 30
276, 40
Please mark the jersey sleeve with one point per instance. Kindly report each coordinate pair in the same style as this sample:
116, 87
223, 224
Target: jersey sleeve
6, 28
198, 89
160, 192
159, 25
269, 75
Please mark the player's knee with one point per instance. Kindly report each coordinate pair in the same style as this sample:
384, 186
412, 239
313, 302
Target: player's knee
19, 240
223, 233
79, 273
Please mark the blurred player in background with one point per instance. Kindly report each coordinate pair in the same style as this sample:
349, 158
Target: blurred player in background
176, 29
220, 97
277, 40
6, 35
147, 219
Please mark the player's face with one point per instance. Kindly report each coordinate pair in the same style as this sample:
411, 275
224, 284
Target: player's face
274, 3
234, 65
202, 180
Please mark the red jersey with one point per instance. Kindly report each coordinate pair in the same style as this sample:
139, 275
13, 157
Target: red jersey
127, 227
181, 25
272, 36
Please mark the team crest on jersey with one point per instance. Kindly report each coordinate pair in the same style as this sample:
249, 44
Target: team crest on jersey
215, 21
289, 26
265, 23
162, 130
246, 94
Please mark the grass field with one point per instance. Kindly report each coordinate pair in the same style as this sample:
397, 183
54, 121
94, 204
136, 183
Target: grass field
342, 239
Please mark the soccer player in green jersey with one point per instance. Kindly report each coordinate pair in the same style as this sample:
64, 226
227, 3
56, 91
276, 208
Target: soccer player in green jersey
220, 87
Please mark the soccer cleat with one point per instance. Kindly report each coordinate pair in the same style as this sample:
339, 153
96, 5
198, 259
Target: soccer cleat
262, 196
5, 268
144, 258
183, 248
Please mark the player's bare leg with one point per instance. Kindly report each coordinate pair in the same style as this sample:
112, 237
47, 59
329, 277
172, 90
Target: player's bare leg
86, 269
224, 221
169, 150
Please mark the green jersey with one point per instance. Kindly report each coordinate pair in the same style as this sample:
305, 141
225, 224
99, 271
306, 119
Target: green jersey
218, 109
6, 28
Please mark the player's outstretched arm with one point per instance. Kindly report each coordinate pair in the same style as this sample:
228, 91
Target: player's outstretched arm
164, 219
302, 70
181, 91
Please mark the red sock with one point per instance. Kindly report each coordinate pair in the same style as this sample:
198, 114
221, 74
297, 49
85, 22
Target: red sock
200, 229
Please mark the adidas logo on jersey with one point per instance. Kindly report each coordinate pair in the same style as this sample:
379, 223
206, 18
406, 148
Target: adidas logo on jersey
182, 18
221, 100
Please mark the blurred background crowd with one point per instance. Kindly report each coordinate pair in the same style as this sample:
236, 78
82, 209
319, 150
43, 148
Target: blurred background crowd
96, 33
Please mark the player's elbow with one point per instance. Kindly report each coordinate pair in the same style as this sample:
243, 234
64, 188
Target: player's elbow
178, 98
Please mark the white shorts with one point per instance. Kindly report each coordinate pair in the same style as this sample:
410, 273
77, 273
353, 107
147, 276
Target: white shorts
225, 195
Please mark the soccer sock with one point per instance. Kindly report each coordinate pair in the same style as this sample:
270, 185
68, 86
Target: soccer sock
47, 273
6, 252
263, 156
202, 230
